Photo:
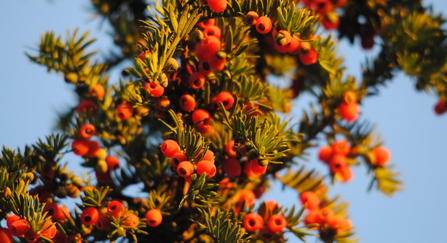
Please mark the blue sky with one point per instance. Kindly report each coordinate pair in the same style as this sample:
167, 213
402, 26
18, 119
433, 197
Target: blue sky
30, 97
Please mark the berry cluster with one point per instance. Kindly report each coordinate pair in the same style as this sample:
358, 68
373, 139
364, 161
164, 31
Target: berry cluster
326, 10
20, 227
267, 221
327, 221
335, 156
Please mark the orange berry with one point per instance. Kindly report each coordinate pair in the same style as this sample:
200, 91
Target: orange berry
19, 227
337, 163
115, 209
97, 91
310, 199
308, 56
94, 149
226, 98
154, 89
230, 150
312, 217
87, 131
113, 162
206, 166
187, 102
89, 216
345, 175
49, 230
185, 168
124, 110
326, 215
253, 222
208, 47
206, 23
217, 5
5, 236
382, 155
276, 223
325, 154
251, 18
341, 147
80, 146
263, 25
201, 117
256, 168
212, 31
154, 217
349, 112
196, 80
249, 172
177, 158
169, 147
10, 219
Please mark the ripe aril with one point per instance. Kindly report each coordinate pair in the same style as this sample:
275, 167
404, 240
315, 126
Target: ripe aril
103, 223
89, 216
325, 154
185, 168
308, 56
206, 166
87, 107
253, 222
212, 31
169, 147
206, 23
276, 223
337, 163
87, 131
251, 18
341, 147
130, 220
116, 209
310, 199
154, 89
187, 102
113, 162
382, 155
226, 98
264, 25
124, 110
217, 5
154, 217
349, 112
196, 80
201, 117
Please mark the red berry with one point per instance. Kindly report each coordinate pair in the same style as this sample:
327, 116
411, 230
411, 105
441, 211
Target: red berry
169, 148
187, 103
116, 209
382, 155
31, 236
232, 167
212, 31
89, 216
325, 154
94, 149
205, 67
256, 168
87, 131
49, 230
206, 23
201, 117
19, 227
177, 158
86, 107
349, 112
345, 175
308, 56
310, 199
11, 218
103, 223
341, 147
154, 217
80, 146
251, 18
276, 223
208, 47
206, 166
196, 80
226, 98
185, 168
337, 163
5, 236
113, 162
154, 89
97, 92
263, 25
249, 172
325, 215
253, 222
124, 110
217, 5
440, 107
230, 150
